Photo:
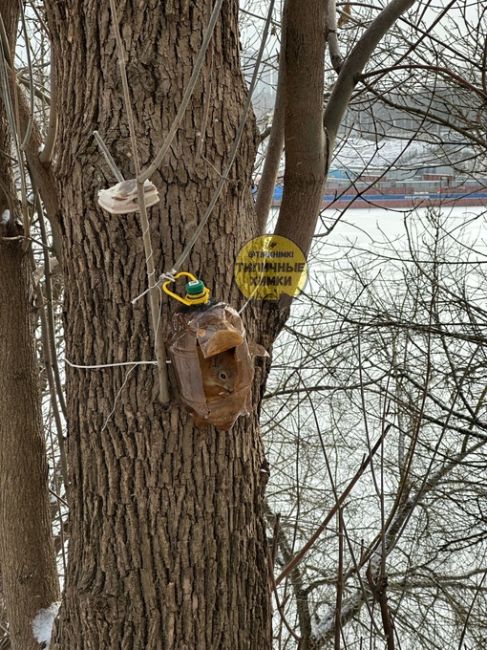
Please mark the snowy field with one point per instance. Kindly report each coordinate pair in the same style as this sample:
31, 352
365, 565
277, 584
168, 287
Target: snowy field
375, 228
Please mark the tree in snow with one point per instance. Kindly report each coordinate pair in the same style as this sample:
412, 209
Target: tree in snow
167, 521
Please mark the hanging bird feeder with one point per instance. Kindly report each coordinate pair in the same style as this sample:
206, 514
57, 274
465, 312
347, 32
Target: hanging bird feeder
210, 356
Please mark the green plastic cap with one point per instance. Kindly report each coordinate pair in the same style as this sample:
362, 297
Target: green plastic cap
195, 287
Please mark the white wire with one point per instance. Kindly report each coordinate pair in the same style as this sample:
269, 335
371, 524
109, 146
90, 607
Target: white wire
163, 276
111, 365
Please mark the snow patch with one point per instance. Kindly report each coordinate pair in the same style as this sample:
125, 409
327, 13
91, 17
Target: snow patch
43, 622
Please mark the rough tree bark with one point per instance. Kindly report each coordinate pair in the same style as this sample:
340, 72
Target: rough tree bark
29, 572
168, 546
27, 561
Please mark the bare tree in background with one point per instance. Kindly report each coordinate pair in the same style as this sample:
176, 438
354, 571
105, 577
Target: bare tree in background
28, 570
401, 330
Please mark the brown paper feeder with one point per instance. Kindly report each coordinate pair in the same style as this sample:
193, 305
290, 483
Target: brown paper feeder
211, 358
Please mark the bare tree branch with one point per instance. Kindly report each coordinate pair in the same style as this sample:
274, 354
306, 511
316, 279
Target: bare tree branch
267, 182
355, 63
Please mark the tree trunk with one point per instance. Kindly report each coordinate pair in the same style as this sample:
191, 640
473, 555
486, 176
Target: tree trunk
26, 552
28, 569
168, 545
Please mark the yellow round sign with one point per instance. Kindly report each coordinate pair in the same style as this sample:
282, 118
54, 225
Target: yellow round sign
269, 266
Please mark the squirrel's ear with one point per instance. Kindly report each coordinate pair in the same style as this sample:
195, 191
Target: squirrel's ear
257, 350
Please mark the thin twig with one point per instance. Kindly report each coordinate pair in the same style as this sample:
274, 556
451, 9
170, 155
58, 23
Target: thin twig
46, 348
49, 298
7, 72
119, 392
108, 157
146, 173
155, 294
331, 35
4, 41
464, 629
341, 499
60, 499
267, 183
339, 594
233, 151
28, 130
47, 151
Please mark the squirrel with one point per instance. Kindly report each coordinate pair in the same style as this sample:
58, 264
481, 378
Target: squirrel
346, 15
220, 373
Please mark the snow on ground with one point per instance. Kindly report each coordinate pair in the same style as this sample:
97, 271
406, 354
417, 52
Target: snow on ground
43, 622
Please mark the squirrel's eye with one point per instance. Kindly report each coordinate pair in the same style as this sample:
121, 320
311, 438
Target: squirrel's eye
223, 375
